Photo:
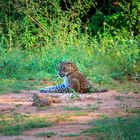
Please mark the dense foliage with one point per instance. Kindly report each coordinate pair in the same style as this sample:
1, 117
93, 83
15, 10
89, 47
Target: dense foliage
101, 37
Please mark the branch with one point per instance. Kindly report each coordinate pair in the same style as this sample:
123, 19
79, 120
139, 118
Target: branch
32, 19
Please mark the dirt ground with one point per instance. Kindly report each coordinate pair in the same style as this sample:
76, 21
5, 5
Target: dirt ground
93, 106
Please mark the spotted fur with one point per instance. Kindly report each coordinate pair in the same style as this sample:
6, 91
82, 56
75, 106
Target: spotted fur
74, 80
62, 88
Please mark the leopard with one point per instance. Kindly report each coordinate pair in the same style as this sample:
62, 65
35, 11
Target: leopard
74, 81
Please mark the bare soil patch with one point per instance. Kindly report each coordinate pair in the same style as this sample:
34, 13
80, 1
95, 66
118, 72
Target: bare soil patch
66, 119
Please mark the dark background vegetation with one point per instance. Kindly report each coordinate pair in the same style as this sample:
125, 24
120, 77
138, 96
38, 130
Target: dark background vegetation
100, 36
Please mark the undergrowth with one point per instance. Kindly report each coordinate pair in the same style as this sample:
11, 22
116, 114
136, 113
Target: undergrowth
115, 128
35, 37
102, 59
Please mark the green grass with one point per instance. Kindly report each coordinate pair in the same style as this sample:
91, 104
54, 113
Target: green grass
46, 134
121, 98
77, 108
74, 96
115, 128
102, 59
15, 125
92, 107
124, 86
64, 117
80, 113
72, 108
14, 85
29, 53
71, 135
133, 110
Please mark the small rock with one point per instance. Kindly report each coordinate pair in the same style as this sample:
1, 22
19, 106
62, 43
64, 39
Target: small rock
44, 100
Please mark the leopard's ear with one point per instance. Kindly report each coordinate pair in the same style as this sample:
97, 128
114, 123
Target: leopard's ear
74, 66
70, 63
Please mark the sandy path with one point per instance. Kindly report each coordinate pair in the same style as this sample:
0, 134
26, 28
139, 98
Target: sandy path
95, 106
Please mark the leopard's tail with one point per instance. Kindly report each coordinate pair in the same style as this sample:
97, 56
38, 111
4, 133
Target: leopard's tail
95, 89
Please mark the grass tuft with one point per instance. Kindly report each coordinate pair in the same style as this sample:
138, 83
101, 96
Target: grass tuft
72, 108
46, 134
115, 128
16, 124
71, 135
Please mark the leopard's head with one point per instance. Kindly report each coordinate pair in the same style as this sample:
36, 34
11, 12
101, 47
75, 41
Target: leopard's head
66, 68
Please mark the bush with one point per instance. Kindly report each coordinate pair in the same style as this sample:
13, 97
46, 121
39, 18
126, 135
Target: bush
37, 35
103, 58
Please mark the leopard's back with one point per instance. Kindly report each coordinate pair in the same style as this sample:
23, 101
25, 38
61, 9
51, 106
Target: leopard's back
83, 84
